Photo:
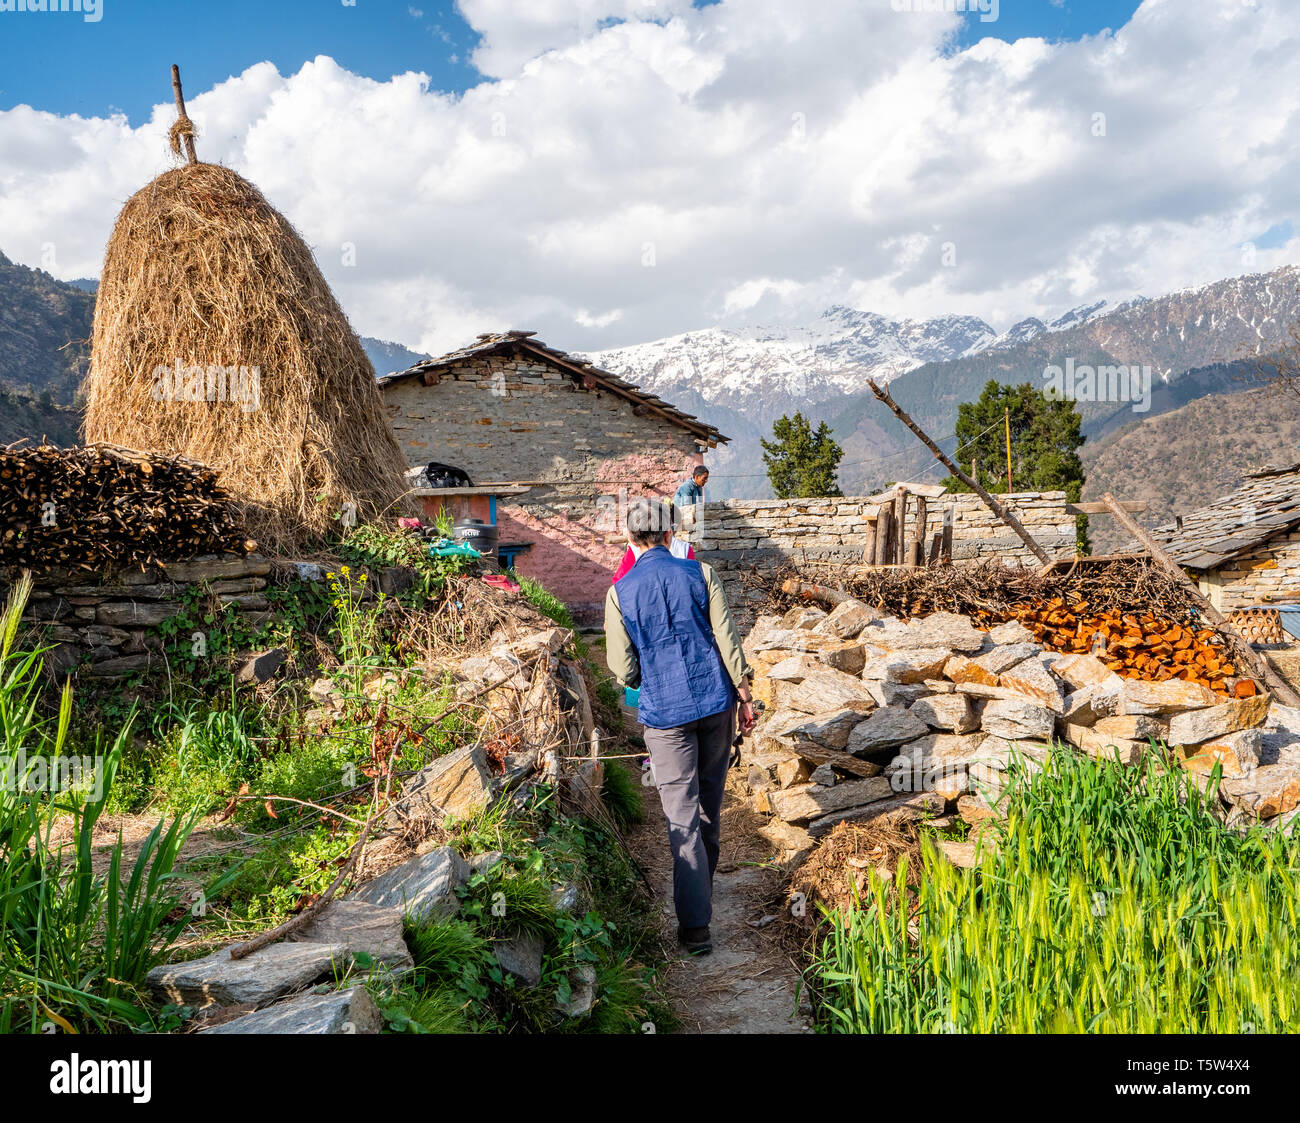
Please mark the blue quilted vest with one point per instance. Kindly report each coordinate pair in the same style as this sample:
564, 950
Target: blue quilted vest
665, 606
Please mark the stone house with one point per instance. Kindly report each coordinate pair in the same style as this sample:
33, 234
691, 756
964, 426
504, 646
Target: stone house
1244, 549
510, 410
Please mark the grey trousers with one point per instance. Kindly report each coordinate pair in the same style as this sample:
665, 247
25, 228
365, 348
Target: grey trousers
689, 763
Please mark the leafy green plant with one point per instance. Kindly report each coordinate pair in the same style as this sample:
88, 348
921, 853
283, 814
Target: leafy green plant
1111, 902
547, 603
76, 939
621, 792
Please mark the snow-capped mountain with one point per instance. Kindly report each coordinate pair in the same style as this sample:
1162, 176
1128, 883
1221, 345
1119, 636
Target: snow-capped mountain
765, 370
743, 379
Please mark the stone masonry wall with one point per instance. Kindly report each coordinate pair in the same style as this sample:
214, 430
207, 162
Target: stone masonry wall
505, 418
737, 534
1268, 573
105, 628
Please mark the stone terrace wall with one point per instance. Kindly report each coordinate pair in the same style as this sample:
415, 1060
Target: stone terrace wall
738, 534
107, 629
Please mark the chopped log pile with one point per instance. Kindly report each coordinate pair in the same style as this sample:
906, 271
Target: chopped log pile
1130, 614
1144, 645
96, 506
870, 715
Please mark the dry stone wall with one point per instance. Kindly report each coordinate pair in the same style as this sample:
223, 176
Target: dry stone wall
107, 628
736, 535
1270, 573
869, 716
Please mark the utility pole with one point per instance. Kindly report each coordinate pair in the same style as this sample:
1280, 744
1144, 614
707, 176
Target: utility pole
993, 505
1007, 418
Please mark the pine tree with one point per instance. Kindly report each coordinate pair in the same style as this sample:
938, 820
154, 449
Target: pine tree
1045, 439
802, 462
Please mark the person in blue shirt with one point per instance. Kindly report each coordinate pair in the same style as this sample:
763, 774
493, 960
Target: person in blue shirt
692, 491
668, 631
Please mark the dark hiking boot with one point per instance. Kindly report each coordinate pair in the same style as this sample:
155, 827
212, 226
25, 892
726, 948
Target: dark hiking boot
696, 941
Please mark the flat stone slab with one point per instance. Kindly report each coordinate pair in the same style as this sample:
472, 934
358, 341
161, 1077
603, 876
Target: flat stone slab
424, 887
344, 1011
257, 979
362, 927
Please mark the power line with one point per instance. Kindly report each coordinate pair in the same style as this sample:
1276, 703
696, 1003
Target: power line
877, 460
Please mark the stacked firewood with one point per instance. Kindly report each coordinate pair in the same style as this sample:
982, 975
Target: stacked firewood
97, 506
1146, 645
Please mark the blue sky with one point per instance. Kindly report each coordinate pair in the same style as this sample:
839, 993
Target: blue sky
609, 172
62, 63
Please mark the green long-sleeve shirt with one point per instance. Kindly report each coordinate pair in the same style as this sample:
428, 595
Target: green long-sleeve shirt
621, 656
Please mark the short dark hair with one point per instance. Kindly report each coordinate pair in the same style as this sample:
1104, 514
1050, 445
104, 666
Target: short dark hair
648, 520
699, 470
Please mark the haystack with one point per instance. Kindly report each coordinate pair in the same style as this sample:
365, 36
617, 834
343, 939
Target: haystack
217, 338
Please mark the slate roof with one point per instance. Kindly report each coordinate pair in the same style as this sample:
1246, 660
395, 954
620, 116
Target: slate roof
580, 370
1267, 504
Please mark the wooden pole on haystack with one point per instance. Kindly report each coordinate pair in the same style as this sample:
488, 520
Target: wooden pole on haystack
184, 127
1245, 653
993, 505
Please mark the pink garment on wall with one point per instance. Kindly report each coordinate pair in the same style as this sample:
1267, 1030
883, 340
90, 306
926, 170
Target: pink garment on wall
629, 558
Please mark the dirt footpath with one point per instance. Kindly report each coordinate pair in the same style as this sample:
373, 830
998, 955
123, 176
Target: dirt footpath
749, 982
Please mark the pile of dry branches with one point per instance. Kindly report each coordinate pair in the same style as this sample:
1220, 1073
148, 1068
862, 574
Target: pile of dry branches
990, 590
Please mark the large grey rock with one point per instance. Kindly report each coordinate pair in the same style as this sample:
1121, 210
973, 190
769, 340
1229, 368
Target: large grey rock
885, 729
343, 1011
582, 992
1281, 736
914, 665
939, 629
1031, 678
359, 926
950, 712
811, 801
117, 667
1013, 631
424, 887
521, 956
214, 566
824, 690
1079, 671
458, 784
803, 616
1191, 727
830, 729
907, 807
1236, 754
1106, 746
845, 656
1017, 720
795, 668
136, 614
1132, 727
886, 693
1170, 697
257, 979
824, 775
847, 620
1267, 792
1089, 704
944, 752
